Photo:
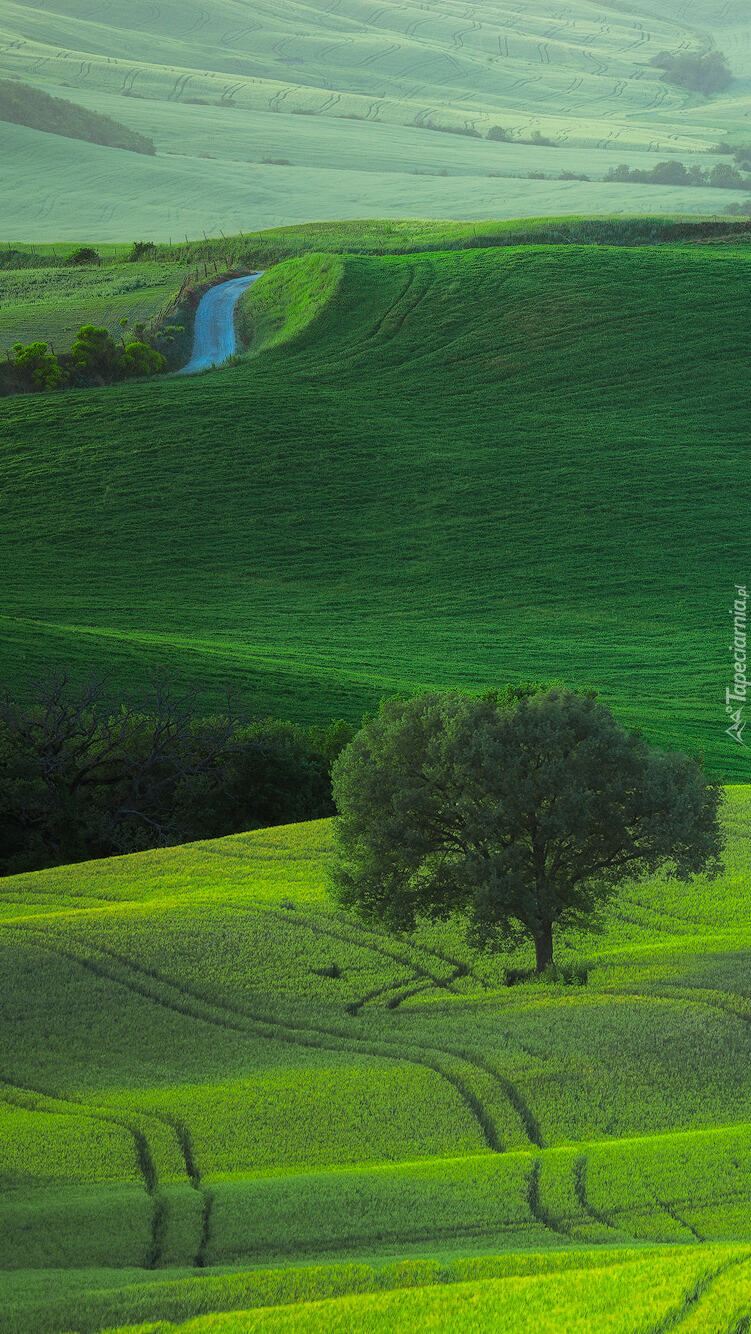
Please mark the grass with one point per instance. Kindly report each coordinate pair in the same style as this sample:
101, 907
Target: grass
53, 303
525, 462
200, 1115
346, 96
656, 1293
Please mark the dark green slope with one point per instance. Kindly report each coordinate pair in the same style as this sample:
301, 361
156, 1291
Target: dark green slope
468, 468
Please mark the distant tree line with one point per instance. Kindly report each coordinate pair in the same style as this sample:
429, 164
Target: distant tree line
498, 134
84, 775
722, 176
707, 74
21, 104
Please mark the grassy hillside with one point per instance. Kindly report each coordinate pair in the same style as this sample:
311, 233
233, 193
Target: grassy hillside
470, 468
220, 1094
351, 97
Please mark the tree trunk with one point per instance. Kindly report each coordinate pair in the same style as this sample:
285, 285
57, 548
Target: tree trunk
544, 947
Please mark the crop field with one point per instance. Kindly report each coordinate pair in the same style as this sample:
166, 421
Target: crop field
457, 468
53, 303
225, 1104
309, 110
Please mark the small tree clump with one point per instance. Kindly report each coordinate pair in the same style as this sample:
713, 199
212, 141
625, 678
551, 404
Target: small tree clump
36, 368
705, 74
522, 816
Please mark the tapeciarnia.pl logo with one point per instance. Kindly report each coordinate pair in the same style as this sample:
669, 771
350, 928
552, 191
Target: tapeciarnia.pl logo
737, 698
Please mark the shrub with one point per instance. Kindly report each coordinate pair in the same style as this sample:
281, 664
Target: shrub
141, 250
85, 254
540, 141
723, 176
466, 130
501, 135
100, 360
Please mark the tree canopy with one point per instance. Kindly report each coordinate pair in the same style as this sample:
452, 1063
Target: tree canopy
521, 816
703, 73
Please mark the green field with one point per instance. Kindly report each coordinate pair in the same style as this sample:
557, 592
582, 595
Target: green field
220, 1094
440, 469
53, 303
342, 94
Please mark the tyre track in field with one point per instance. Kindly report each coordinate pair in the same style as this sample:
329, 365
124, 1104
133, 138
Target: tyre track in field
399, 1051
319, 928
395, 317
672, 1212
193, 1173
379, 328
579, 1174
364, 929
695, 1295
244, 1022
24, 1096
536, 1207
694, 995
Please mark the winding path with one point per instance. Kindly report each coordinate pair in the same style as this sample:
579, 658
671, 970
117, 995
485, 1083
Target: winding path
214, 338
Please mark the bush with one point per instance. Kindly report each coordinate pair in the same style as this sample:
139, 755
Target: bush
540, 141
498, 133
85, 254
100, 360
141, 250
95, 352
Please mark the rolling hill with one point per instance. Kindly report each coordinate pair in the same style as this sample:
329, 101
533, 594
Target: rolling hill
290, 111
221, 1094
455, 468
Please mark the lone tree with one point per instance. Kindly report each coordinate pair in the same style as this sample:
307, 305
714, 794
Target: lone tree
522, 816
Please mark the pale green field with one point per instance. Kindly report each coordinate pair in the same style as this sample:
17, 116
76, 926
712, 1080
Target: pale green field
216, 86
102, 198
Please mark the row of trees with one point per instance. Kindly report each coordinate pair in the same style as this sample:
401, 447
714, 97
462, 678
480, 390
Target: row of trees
20, 104
722, 176
86, 774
